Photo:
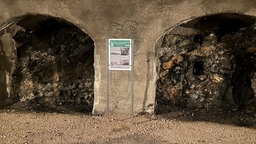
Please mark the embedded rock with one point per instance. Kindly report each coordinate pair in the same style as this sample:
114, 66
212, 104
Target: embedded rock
206, 70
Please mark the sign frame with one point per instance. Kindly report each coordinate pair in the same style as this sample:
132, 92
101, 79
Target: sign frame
120, 54
129, 67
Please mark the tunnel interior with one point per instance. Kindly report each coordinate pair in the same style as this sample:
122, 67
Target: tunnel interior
208, 62
51, 66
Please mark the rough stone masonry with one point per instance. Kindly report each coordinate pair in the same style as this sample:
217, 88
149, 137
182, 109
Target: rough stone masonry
52, 66
200, 69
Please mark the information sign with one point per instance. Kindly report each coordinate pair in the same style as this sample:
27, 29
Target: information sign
120, 54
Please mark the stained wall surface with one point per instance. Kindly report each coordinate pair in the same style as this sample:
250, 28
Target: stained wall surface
145, 21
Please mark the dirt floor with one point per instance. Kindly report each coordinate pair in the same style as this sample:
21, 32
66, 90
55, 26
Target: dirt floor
18, 126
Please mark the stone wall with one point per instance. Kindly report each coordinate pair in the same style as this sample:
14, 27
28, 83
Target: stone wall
206, 63
144, 21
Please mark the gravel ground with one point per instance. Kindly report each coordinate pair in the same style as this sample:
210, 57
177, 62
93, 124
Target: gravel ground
34, 127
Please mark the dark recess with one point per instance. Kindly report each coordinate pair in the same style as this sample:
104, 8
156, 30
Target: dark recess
57, 58
215, 68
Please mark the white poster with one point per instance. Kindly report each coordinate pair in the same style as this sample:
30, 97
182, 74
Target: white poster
120, 54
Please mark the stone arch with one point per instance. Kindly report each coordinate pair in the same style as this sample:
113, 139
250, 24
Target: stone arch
50, 64
201, 61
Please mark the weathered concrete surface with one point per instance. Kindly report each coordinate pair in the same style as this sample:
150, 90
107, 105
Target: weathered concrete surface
144, 21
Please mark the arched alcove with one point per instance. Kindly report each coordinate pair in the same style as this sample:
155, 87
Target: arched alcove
51, 64
207, 62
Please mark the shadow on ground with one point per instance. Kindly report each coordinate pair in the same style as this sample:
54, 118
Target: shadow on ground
223, 115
